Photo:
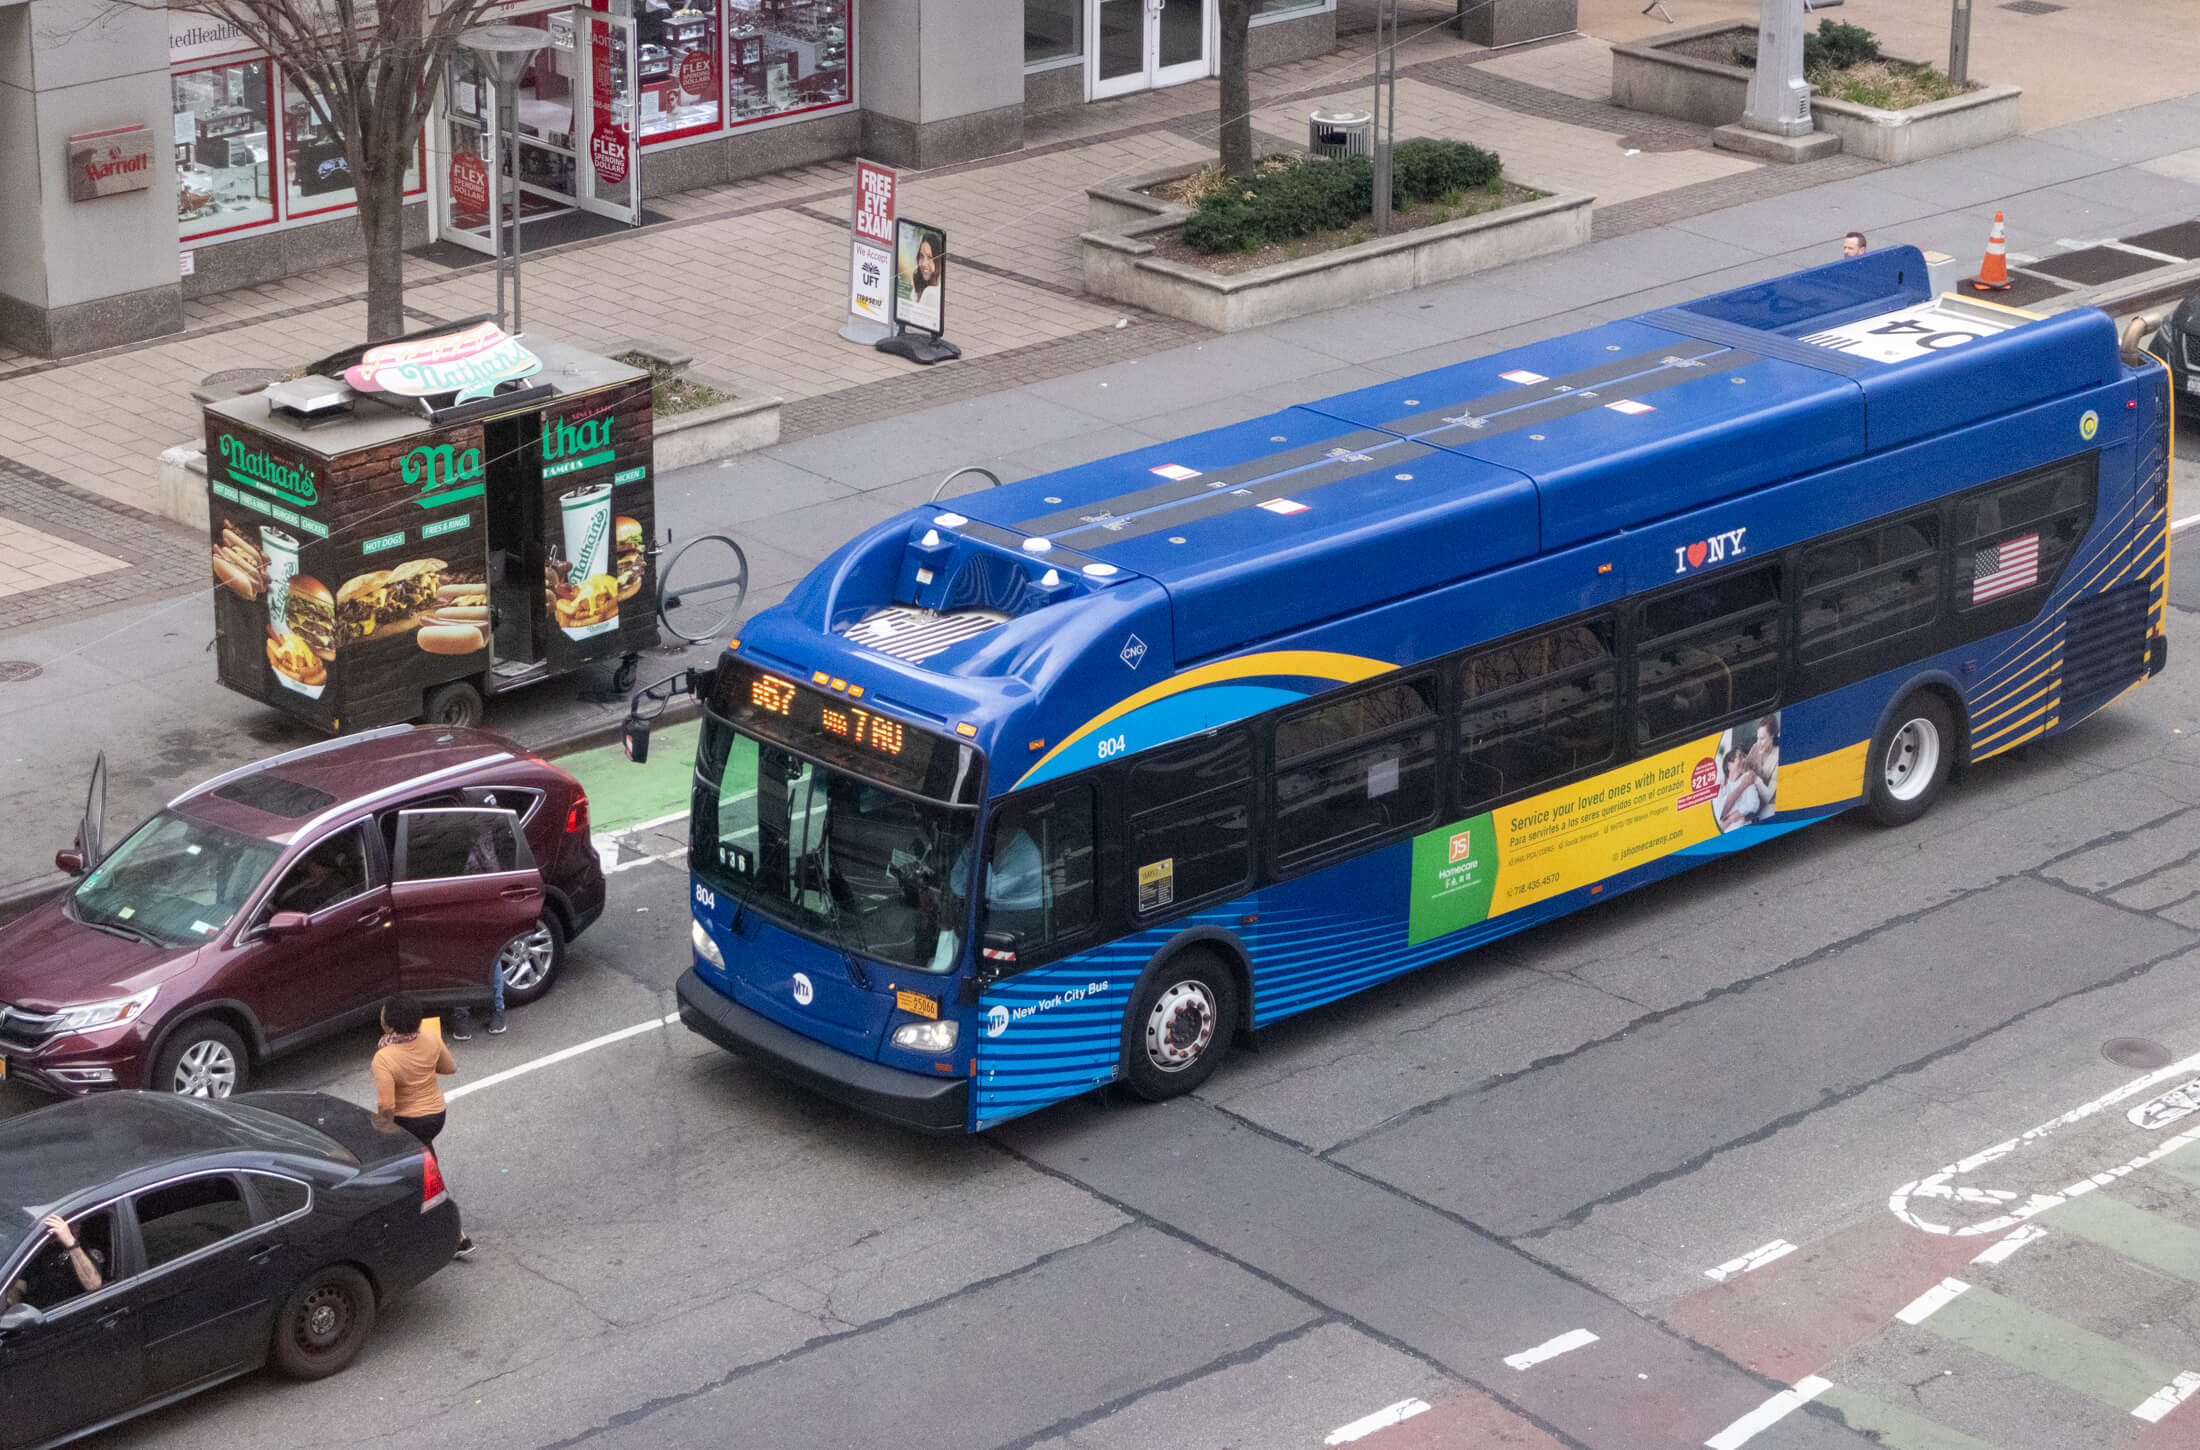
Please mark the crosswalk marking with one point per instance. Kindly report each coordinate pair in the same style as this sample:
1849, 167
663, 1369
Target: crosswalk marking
1754, 1259
1932, 1301
1770, 1413
2169, 1397
2002, 1248
2054, 1349
1896, 1428
1571, 1340
2147, 1238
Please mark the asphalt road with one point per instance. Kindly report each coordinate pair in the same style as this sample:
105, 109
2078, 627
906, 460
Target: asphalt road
1559, 1137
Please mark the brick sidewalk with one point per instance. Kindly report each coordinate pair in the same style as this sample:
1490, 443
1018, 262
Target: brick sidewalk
761, 286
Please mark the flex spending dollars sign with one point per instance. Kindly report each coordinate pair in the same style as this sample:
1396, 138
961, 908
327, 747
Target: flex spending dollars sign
1565, 839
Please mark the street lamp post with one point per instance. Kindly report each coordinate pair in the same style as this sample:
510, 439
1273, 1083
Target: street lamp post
504, 51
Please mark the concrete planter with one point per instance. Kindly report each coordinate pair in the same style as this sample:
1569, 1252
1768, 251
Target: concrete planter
1933, 129
1648, 76
1120, 261
719, 431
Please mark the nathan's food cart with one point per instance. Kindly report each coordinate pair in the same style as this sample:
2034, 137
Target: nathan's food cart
413, 527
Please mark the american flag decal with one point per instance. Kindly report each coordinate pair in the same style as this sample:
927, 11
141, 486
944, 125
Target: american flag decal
2005, 568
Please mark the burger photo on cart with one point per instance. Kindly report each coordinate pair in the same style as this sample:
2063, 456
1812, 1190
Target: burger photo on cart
387, 601
301, 652
631, 557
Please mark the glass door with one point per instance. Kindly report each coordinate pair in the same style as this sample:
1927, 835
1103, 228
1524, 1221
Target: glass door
1179, 41
606, 125
1137, 45
465, 181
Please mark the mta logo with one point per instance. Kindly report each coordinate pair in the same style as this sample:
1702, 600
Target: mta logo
1715, 550
996, 1021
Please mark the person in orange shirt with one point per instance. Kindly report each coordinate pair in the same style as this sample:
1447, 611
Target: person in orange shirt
407, 1062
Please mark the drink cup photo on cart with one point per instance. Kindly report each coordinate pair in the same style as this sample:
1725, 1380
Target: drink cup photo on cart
199, 1242
1075, 780
282, 902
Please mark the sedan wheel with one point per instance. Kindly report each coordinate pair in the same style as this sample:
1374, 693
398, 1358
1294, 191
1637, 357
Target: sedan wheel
325, 1323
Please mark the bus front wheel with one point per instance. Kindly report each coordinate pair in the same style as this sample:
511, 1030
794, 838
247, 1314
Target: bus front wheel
1180, 1024
1911, 760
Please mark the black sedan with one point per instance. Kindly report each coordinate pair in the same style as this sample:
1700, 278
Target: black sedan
2178, 344
215, 1235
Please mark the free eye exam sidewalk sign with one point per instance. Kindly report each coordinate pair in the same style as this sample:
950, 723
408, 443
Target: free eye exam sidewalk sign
871, 254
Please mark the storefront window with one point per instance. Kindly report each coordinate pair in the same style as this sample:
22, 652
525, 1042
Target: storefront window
222, 148
317, 170
787, 55
1268, 9
680, 66
1053, 30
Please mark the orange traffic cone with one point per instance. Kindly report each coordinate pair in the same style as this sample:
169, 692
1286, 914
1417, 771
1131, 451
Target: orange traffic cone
1993, 273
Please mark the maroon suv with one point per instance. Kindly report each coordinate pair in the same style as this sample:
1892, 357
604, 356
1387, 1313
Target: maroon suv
283, 901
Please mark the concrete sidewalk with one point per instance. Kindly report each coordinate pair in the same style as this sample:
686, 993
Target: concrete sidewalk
137, 681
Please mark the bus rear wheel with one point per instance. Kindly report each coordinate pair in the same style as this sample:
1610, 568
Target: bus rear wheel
1911, 760
1180, 1024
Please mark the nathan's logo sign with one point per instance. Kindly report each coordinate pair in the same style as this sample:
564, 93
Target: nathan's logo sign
1715, 550
471, 364
442, 473
569, 447
255, 469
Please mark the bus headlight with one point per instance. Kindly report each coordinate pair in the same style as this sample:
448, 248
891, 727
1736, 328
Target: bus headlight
704, 946
926, 1036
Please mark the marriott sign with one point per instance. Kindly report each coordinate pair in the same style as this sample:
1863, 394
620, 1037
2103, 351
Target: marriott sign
106, 163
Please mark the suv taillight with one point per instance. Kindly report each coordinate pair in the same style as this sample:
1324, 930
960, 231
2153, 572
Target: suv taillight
432, 1191
576, 819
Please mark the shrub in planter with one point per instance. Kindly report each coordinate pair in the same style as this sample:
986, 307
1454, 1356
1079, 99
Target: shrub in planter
1305, 195
1834, 47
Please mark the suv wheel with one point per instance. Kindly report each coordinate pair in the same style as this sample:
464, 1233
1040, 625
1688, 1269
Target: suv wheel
530, 961
204, 1059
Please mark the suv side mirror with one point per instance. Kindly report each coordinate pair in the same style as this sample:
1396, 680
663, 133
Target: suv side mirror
287, 923
69, 859
21, 1316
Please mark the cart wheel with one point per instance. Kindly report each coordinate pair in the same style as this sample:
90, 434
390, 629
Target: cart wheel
622, 678
456, 703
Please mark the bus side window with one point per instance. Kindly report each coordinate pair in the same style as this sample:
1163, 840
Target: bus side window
1708, 652
2013, 539
1537, 710
1353, 771
1870, 587
1039, 869
1191, 815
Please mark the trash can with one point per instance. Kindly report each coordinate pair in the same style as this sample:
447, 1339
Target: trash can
1340, 133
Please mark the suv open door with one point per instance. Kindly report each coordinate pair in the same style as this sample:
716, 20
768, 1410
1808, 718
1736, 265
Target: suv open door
463, 883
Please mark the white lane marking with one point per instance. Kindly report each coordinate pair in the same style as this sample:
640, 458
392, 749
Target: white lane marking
2145, 252
2169, 1397
1932, 1301
1571, 1340
1770, 1413
1754, 1259
1382, 1419
2178, 526
2001, 1249
561, 1055
1938, 1186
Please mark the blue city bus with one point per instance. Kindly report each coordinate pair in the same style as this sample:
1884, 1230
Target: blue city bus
1074, 780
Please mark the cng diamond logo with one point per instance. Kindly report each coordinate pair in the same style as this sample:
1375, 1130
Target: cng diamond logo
996, 1021
804, 993
1462, 846
1134, 650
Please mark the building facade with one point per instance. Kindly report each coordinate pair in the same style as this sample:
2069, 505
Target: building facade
149, 156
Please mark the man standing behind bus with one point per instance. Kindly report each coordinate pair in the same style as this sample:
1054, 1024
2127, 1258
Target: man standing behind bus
1853, 245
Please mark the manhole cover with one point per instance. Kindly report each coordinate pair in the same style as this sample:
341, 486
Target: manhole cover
2032, 7
13, 670
2136, 1052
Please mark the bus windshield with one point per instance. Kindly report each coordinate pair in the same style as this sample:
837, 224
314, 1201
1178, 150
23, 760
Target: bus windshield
830, 854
